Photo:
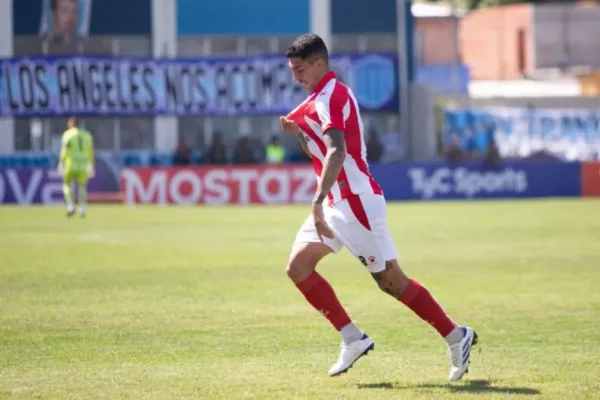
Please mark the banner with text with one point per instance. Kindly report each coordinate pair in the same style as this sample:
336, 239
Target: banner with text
571, 134
218, 186
25, 186
289, 184
438, 181
297, 184
59, 86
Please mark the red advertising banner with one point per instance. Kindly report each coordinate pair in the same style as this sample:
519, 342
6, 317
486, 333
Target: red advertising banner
590, 179
219, 185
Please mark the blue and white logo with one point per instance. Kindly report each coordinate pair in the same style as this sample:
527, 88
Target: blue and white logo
374, 81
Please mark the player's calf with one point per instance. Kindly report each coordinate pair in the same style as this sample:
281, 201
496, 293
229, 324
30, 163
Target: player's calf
319, 293
68, 197
392, 279
82, 192
411, 293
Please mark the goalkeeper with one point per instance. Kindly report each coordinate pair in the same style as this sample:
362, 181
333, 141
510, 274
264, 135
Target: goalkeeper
76, 164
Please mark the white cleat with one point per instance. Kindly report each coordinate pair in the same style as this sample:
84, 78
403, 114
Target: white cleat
460, 354
350, 353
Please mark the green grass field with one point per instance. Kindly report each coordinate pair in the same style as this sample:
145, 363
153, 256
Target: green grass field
186, 303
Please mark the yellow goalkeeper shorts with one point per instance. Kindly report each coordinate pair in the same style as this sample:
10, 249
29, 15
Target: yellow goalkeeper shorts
81, 177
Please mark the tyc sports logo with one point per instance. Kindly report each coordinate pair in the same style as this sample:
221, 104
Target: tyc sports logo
462, 182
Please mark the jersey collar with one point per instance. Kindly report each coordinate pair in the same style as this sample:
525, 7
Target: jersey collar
324, 81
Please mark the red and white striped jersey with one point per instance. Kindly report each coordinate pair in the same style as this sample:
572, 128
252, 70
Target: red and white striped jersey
332, 105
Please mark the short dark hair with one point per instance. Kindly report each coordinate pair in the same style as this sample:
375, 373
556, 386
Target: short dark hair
307, 46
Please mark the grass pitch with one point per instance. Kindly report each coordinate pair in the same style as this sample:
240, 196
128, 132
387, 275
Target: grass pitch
186, 303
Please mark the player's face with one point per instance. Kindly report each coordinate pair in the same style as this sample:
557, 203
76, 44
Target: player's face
65, 16
306, 72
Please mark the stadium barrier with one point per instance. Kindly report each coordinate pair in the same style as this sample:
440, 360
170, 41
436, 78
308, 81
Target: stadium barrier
590, 179
25, 186
296, 183
105, 198
289, 184
437, 181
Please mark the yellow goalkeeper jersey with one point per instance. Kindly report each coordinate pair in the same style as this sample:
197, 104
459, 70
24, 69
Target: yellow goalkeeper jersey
77, 149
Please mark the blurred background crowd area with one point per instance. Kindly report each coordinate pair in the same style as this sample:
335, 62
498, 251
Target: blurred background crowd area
488, 63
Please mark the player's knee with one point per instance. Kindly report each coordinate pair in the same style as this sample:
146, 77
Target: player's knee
392, 280
304, 259
299, 268
302, 263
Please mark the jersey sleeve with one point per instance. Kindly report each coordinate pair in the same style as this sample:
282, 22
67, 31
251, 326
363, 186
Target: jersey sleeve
91, 152
64, 147
65, 139
333, 109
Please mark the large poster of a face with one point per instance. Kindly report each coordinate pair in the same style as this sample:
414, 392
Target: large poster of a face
65, 20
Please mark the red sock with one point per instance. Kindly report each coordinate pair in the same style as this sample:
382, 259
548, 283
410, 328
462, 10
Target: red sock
418, 299
321, 296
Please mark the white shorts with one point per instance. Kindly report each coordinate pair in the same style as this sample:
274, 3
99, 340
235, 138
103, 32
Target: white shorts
359, 223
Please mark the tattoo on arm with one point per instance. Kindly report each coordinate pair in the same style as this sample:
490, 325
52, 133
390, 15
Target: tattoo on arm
304, 144
332, 165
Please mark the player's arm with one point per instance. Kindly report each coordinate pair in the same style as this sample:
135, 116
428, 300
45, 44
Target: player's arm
91, 156
63, 155
304, 144
63, 151
92, 152
332, 165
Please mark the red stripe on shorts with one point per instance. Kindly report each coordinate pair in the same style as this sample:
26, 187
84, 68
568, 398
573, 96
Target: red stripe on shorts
357, 208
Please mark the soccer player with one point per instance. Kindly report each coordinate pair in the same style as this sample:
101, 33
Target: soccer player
76, 164
330, 129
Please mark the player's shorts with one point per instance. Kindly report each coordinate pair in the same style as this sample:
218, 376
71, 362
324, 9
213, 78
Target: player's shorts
78, 176
359, 223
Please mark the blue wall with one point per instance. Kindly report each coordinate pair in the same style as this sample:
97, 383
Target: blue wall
264, 17
122, 17
242, 17
441, 77
363, 16
108, 17
26, 17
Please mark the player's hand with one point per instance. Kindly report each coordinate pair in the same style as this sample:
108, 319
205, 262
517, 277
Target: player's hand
289, 126
91, 170
319, 219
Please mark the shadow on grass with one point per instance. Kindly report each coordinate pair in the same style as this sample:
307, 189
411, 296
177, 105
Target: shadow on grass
476, 386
